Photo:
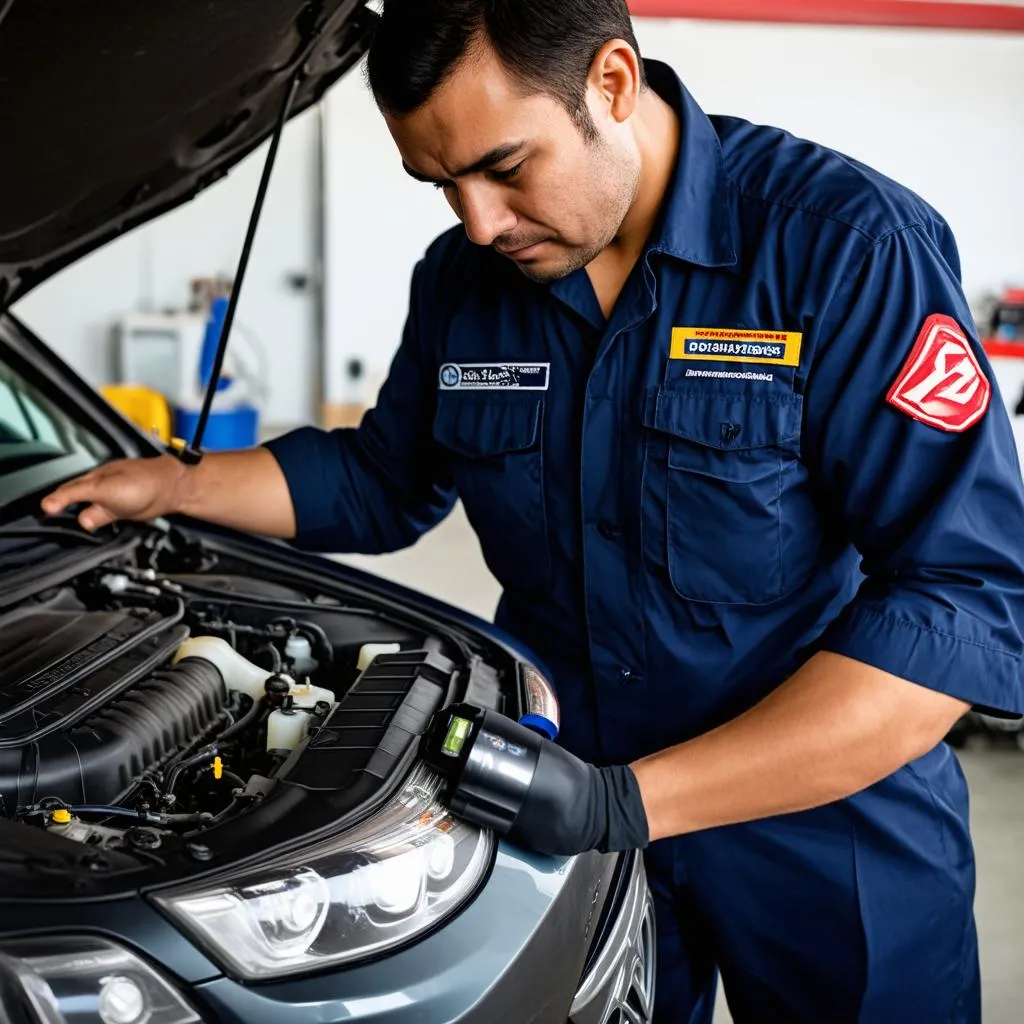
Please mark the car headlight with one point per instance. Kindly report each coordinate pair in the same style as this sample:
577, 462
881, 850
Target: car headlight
82, 980
371, 888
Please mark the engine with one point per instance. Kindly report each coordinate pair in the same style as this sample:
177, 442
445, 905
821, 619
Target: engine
81, 733
135, 703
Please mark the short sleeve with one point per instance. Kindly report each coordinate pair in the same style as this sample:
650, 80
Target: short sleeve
912, 449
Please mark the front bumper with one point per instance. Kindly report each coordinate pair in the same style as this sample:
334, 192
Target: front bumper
546, 940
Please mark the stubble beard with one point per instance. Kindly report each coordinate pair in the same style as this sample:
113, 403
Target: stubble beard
578, 257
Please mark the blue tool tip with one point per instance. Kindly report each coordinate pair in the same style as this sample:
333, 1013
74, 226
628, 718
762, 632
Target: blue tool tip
538, 723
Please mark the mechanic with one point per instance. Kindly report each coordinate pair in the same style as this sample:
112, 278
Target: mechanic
713, 401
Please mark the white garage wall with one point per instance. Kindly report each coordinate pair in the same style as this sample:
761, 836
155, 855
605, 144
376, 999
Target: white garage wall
149, 269
379, 221
939, 111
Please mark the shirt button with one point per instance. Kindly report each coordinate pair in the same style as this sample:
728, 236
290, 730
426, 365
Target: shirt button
608, 530
625, 676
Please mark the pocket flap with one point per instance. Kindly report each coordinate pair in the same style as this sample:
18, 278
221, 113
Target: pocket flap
479, 426
724, 420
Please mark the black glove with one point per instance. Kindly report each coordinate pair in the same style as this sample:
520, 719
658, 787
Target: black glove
572, 807
506, 777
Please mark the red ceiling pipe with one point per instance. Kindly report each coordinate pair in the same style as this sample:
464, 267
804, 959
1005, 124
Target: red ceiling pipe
892, 13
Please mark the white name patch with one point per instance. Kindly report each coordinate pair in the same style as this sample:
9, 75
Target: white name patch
494, 376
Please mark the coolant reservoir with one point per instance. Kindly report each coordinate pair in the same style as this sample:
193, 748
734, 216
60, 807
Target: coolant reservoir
286, 729
238, 673
370, 651
242, 675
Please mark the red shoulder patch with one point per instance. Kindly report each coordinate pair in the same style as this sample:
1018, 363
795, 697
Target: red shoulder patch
942, 383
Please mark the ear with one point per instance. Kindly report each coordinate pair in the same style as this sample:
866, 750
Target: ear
614, 79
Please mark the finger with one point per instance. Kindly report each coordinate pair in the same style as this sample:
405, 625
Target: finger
96, 516
81, 489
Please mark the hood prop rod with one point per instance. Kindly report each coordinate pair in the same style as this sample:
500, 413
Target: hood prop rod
192, 453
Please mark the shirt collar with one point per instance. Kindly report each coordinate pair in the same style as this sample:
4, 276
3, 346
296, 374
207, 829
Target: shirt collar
695, 223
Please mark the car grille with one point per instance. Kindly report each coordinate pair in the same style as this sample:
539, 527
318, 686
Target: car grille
619, 986
635, 1001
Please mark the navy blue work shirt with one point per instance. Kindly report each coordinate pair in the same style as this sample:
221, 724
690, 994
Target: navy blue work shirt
785, 439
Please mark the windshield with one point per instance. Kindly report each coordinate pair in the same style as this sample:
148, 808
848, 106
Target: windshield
41, 441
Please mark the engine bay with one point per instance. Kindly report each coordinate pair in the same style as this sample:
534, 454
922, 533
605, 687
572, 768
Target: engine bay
153, 700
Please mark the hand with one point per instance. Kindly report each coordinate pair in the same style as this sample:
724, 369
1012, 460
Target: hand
126, 489
573, 807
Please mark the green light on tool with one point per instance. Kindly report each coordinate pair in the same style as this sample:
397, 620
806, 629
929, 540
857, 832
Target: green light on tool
458, 730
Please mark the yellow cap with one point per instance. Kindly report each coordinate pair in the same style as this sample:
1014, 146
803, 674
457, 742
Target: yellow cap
61, 816
218, 767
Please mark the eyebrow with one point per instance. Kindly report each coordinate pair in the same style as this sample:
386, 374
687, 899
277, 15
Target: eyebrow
496, 156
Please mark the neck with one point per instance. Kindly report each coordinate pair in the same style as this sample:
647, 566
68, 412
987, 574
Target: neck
657, 135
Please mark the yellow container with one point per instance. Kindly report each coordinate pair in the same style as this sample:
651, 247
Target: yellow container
147, 409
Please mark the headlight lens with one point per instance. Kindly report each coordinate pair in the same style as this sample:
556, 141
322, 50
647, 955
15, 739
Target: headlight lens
371, 888
84, 981
541, 711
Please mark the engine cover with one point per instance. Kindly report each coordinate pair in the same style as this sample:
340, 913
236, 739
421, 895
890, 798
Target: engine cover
85, 706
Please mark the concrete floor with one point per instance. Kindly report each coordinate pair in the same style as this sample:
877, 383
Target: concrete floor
447, 564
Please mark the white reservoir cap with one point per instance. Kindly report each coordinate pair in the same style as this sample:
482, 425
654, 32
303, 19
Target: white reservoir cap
298, 647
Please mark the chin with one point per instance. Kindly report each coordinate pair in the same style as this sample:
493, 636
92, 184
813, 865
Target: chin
543, 273
548, 271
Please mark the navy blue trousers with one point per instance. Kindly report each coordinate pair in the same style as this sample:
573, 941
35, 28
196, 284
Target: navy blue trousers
861, 911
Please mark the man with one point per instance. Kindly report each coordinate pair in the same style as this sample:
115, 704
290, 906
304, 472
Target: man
712, 400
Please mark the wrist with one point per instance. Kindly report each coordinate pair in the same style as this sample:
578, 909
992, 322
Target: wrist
627, 825
184, 492
646, 787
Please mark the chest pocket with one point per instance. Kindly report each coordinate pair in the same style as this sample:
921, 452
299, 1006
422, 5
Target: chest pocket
494, 441
727, 503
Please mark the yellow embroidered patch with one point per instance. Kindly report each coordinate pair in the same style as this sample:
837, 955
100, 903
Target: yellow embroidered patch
726, 345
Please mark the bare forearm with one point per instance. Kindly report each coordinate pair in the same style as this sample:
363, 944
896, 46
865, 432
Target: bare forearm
835, 728
245, 490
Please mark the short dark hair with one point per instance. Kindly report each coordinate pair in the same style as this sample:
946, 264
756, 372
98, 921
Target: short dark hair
549, 45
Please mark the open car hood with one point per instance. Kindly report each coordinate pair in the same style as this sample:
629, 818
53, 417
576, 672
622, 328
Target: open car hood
115, 111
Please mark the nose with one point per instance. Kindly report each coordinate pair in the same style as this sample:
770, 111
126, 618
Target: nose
484, 213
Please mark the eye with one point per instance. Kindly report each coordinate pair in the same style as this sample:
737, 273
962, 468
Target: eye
509, 174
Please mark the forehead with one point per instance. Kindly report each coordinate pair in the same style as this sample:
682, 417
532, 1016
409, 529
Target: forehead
479, 108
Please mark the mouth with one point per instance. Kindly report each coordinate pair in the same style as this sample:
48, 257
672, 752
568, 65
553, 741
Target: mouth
525, 252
